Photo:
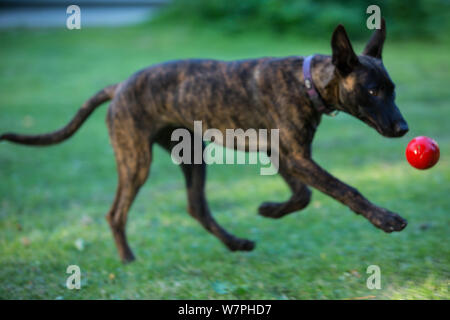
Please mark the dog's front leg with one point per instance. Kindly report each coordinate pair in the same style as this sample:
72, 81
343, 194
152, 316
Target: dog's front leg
312, 174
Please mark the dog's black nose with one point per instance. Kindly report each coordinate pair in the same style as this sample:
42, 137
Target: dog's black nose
400, 128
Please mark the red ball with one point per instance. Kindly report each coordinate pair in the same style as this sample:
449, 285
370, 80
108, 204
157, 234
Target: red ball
422, 152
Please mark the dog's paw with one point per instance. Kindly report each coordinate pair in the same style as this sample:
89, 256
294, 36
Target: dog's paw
241, 245
269, 210
389, 221
127, 257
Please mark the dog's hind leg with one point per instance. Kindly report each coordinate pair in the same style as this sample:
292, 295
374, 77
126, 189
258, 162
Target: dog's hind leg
195, 176
132, 147
301, 196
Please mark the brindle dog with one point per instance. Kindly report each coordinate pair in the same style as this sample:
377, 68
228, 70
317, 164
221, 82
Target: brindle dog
263, 93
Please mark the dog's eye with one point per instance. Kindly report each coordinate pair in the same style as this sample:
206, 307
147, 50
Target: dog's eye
373, 92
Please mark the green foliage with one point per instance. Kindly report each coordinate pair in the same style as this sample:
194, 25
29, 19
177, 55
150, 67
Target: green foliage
53, 200
406, 19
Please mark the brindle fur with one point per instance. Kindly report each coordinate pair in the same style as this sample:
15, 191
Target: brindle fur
264, 93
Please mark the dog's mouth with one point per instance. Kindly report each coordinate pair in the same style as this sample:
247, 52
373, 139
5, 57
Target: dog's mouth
371, 123
374, 125
389, 133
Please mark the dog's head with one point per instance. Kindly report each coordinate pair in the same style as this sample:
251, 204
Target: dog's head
365, 89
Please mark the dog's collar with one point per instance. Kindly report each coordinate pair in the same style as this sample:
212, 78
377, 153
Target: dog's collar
313, 94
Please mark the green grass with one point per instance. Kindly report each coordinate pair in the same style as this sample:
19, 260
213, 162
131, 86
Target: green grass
50, 197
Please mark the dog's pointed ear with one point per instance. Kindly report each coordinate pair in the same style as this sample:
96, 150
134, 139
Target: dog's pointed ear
344, 58
375, 45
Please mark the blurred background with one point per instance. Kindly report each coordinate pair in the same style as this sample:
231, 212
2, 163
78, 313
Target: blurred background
53, 200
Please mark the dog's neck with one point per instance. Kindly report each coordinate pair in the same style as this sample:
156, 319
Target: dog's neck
325, 80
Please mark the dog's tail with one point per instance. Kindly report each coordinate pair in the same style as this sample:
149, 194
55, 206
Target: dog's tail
66, 132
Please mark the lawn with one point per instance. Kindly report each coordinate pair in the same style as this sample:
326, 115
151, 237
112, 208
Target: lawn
53, 200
